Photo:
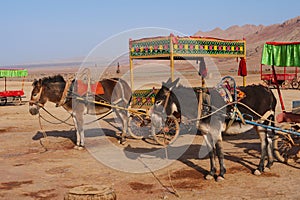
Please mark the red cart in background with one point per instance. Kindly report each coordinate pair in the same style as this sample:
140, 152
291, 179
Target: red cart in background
285, 79
287, 139
14, 96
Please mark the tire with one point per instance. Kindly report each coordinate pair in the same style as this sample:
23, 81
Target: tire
92, 192
295, 84
138, 126
18, 100
286, 147
169, 133
3, 101
285, 85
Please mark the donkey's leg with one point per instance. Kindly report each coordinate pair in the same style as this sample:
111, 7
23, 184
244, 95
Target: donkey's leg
263, 145
122, 116
78, 121
270, 136
125, 119
81, 130
77, 133
220, 154
211, 150
269, 152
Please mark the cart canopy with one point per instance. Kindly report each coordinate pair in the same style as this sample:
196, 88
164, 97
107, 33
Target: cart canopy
13, 72
182, 48
281, 54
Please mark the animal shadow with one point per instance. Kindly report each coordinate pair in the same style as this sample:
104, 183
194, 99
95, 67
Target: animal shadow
71, 134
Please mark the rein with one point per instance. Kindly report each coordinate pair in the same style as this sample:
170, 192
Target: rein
65, 92
262, 117
167, 100
61, 121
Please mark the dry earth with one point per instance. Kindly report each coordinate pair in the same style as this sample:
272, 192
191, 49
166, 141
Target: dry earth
28, 171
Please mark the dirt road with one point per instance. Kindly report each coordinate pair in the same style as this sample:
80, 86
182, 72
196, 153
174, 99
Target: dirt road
27, 171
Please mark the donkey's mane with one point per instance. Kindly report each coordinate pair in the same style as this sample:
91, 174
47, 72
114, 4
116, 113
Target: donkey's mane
53, 79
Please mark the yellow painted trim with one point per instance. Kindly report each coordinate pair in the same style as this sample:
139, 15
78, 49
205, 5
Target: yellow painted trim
131, 72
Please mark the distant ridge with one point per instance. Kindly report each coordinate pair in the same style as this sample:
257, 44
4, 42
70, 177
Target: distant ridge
256, 36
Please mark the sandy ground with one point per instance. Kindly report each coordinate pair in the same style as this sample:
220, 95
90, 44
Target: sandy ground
28, 171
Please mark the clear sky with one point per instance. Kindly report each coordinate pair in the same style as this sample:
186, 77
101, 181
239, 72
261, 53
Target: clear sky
34, 31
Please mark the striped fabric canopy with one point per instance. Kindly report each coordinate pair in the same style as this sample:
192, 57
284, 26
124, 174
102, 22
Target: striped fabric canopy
281, 54
13, 72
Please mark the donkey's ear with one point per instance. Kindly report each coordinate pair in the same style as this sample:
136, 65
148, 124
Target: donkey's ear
174, 84
176, 81
35, 81
169, 81
166, 84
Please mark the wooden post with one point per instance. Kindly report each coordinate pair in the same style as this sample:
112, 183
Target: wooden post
171, 59
131, 72
244, 81
200, 102
172, 67
278, 90
23, 83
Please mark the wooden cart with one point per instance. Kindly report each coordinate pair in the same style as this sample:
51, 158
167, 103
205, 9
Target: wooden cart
14, 96
174, 48
287, 140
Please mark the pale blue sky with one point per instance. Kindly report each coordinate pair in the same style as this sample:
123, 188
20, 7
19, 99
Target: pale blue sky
39, 31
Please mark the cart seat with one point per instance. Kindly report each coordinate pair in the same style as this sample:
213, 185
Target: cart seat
288, 117
12, 93
96, 88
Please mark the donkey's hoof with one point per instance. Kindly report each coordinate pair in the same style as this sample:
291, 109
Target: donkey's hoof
267, 169
257, 172
220, 178
81, 148
209, 177
122, 142
78, 147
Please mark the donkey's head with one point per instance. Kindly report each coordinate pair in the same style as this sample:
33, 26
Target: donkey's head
48, 88
165, 100
166, 103
36, 99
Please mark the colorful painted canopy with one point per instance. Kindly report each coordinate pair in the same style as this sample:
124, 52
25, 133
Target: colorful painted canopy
186, 47
281, 54
13, 72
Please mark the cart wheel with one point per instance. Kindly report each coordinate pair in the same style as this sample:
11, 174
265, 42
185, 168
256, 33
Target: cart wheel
169, 133
138, 126
3, 101
285, 85
286, 147
18, 100
295, 84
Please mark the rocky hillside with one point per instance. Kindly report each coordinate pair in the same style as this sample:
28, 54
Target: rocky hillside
256, 36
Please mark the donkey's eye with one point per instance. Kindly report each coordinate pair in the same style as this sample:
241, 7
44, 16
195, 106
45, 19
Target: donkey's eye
158, 102
35, 94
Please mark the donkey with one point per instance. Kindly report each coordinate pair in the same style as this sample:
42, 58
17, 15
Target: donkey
174, 98
115, 92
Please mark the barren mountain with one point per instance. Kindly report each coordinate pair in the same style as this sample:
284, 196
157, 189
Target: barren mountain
256, 36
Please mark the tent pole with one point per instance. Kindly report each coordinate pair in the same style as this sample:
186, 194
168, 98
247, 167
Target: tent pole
131, 73
278, 90
244, 81
171, 58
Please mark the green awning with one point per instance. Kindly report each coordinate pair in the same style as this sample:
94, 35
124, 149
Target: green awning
281, 54
13, 72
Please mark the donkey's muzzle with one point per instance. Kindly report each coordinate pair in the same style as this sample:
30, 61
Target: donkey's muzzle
34, 109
